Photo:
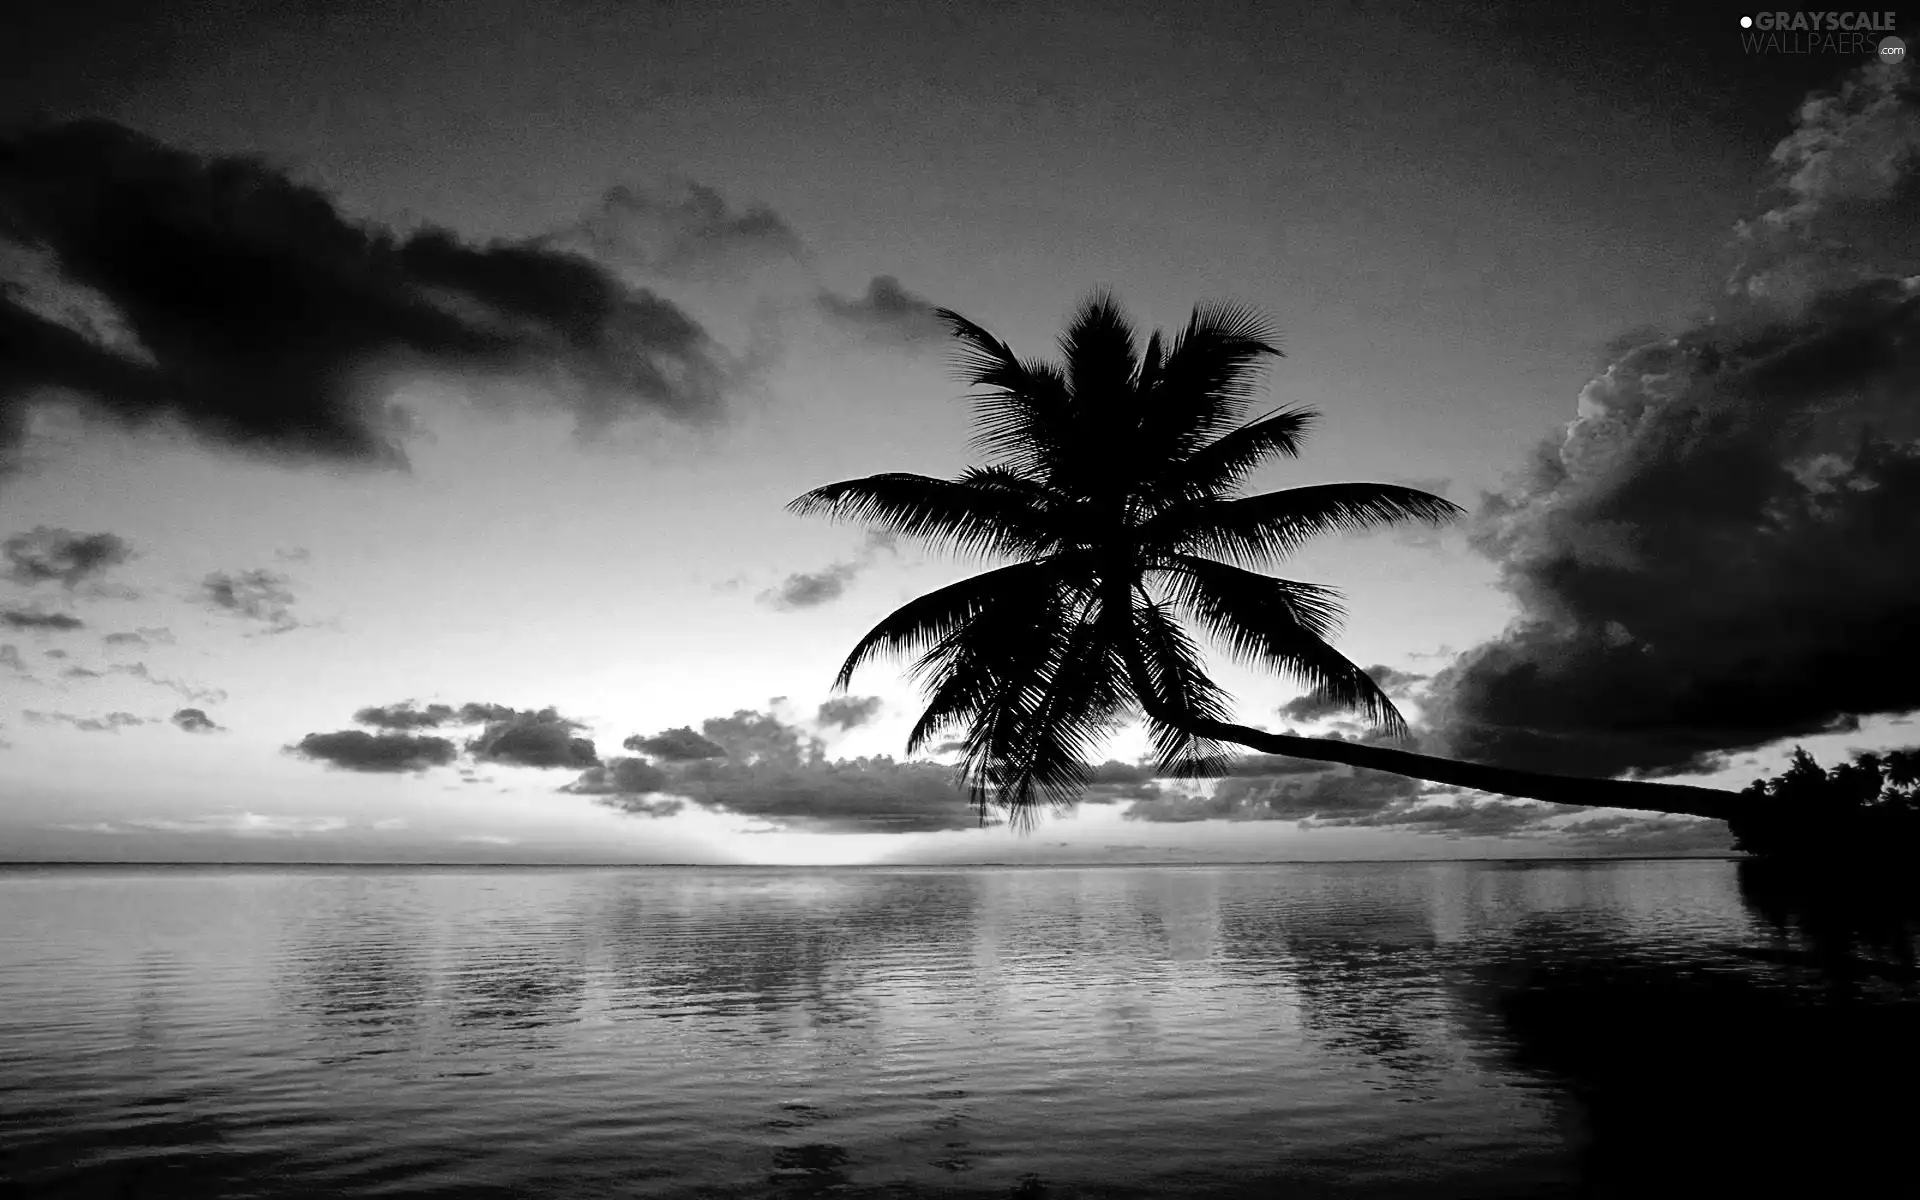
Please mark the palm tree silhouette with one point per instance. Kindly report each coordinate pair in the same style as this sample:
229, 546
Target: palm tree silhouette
1116, 490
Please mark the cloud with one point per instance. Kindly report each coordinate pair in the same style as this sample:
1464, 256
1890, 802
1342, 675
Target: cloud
1638, 834
887, 313
257, 595
676, 745
45, 554
28, 619
1722, 549
1454, 818
810, 589
113, 722
405, 716
1843, 188
194, 720
139, 671
10, 658
534, 739
1270, 788
476, 713
358, 750
683, 230
847, 712
220, 294
140, 637
753, 764
620, 777
629, 785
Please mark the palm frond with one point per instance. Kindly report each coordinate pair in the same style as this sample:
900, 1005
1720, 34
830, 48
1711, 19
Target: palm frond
1025, 417
1279, 624
1174, 674
1211, 373
990, 516
1098, 350
1084, 690
1218, 469
929, 621
1151, 361
1261, 530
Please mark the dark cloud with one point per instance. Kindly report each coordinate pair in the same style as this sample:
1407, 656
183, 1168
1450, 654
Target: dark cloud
629, 785
405, 716
140, 637
28, 619
475, 713
676, 745
49, 555
1179, 809
642, 806
1112, 782
194, 720
1642, 835
1312, 707
10, 658
620, 777
257, 595
888, 313
113, 722
220, 294
1276, 789
847, 712
754, 765
1451, 818
534, 739
810, 589
683, 230
358, 750
1723, 549
1723, 552
1115, 772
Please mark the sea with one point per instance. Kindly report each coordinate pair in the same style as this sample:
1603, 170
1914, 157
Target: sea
1431, 1029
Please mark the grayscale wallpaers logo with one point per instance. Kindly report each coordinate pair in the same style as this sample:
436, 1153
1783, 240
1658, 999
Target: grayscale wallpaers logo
1863, 33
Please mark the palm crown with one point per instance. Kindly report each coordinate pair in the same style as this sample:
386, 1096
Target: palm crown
1114, 482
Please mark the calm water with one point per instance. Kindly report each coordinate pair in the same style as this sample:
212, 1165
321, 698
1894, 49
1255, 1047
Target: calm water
1459, 1029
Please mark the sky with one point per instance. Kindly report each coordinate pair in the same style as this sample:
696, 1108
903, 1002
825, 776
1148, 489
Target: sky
398, 409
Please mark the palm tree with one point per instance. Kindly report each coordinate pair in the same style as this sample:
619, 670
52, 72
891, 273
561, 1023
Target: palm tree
1115, 488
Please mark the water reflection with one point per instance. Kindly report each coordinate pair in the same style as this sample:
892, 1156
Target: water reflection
1456, 1029
1724, 1074
359, 978
1358, 952
1849, 927
520, 990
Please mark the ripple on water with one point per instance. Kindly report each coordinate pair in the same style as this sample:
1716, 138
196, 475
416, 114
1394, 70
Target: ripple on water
970, 1032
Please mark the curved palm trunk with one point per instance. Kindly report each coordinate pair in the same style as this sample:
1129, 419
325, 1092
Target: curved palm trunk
1501, 781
